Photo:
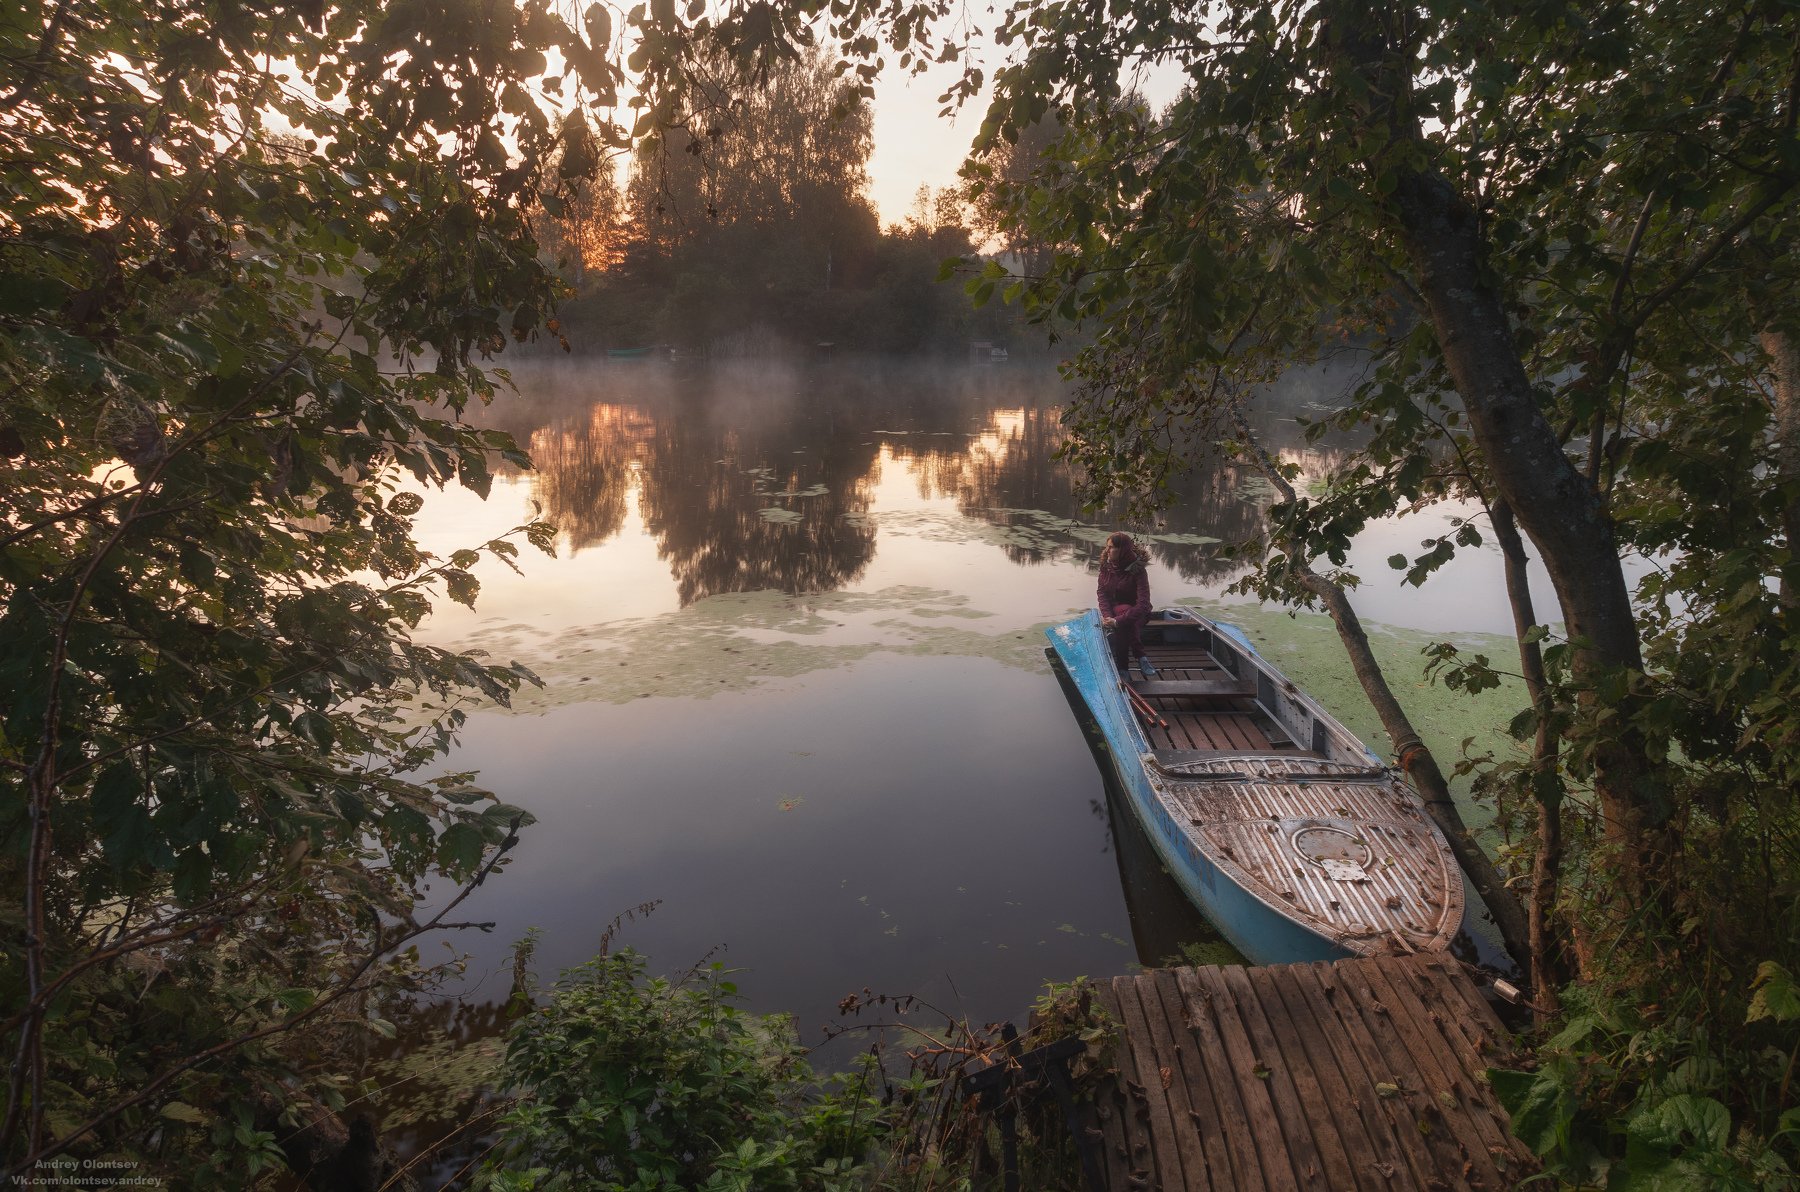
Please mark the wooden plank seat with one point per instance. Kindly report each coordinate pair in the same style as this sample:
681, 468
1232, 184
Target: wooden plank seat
1179, 757
1210, 687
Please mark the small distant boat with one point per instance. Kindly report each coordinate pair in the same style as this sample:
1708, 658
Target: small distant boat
1278, 824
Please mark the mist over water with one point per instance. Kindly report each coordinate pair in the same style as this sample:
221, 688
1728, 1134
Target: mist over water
795, 689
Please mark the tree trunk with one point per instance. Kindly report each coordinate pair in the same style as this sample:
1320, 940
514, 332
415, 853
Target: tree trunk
1551, 499
1554, 503
1784, 362
1549, 970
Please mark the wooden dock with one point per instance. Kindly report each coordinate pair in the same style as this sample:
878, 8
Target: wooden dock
1359, 1074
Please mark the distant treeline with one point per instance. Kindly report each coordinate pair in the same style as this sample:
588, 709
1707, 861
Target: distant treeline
749, 232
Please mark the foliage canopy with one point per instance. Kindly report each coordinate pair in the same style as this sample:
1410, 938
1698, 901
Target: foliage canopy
250, 257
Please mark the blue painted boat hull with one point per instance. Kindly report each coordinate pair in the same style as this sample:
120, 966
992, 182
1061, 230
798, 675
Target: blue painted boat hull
1246, 917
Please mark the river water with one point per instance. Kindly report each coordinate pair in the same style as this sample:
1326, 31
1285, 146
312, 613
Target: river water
795, 694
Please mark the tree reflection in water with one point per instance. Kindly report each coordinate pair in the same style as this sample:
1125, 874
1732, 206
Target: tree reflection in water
584, 466
778, 504
764, 479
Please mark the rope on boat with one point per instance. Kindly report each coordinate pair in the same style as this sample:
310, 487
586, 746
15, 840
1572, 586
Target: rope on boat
1409, 748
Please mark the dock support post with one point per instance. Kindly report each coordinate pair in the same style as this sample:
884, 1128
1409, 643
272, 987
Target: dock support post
995, 1086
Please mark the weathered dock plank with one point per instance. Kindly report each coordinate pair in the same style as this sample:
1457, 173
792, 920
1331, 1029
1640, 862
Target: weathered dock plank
1359, 1074
1241, 1154
1419, 1078
1444, 1098
1257, 989
1367, 1134
1372, 1067
1201, 1118
1147, 1101
1234, 1064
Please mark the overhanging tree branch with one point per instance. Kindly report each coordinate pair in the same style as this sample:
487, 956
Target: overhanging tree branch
350, 985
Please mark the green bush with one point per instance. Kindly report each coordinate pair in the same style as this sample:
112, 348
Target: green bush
1637, 1095
627, 1083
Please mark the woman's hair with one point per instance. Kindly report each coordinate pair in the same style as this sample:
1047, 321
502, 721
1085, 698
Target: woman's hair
1119, 551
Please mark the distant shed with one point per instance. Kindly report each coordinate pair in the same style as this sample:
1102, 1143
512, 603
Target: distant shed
1357, 1074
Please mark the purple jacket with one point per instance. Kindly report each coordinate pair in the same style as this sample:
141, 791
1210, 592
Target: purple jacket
1130, 585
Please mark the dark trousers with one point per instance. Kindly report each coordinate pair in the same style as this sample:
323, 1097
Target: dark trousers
1124, 639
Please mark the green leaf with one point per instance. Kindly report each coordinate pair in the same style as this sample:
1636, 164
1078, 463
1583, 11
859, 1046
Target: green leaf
1541, 1104
133, 841
1684, 1120
22, 294
297, 999
193, 874
116, 791
460, 586
598, 19
1574, 1031
461, 849
316, 728
1776, 996
181, 1111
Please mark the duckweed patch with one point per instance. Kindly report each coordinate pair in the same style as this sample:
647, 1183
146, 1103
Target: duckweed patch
731, 643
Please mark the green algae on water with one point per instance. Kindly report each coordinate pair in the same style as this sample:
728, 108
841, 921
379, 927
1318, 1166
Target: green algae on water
734, 642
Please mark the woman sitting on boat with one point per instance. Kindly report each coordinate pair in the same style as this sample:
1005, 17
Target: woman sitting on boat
1124, 600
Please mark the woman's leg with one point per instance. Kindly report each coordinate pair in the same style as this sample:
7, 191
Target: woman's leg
1125, 643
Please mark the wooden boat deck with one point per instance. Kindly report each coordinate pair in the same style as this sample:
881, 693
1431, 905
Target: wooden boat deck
1227, 722
1257, 812
1359, 1074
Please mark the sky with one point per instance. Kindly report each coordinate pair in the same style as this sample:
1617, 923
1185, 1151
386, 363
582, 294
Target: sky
915, 146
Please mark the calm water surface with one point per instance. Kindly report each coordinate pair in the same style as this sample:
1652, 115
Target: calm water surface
795, 691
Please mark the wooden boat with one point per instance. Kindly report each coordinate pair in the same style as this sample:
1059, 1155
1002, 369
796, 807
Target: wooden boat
1284, 829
